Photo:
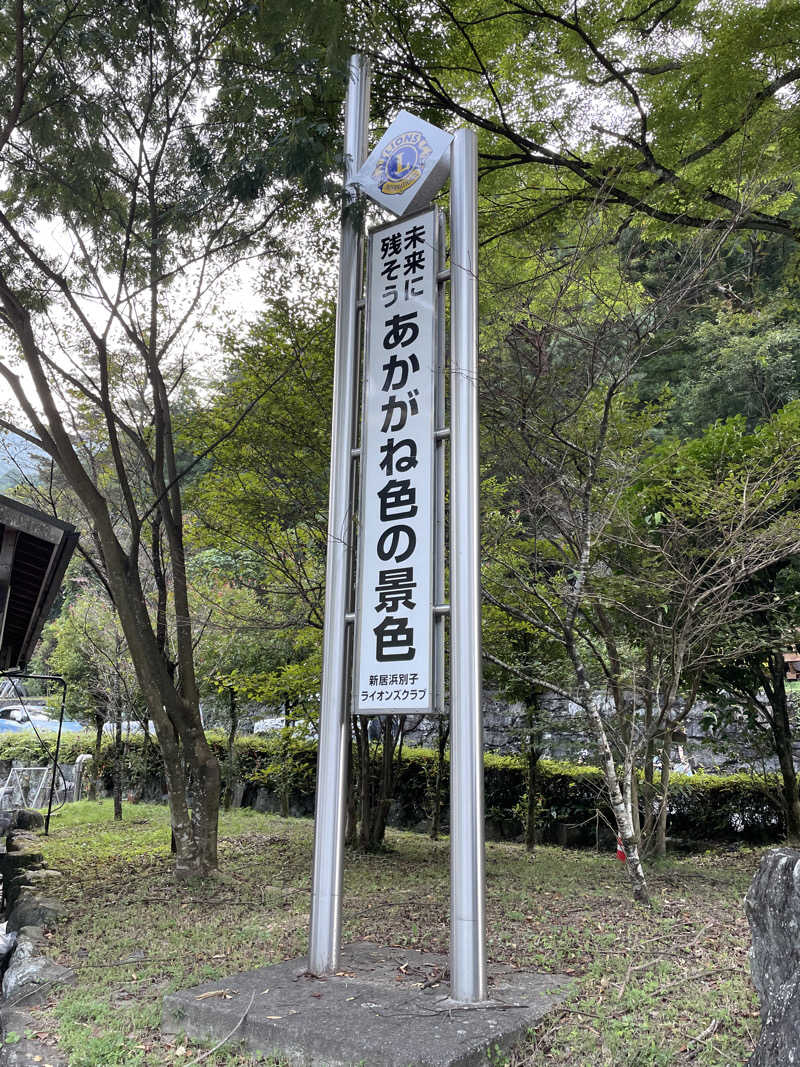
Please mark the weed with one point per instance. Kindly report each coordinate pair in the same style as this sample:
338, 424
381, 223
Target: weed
646, 984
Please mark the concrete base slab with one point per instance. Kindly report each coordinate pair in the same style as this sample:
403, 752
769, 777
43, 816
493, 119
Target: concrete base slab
386, 1007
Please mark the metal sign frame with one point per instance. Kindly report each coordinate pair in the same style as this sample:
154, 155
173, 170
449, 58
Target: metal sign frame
467, 952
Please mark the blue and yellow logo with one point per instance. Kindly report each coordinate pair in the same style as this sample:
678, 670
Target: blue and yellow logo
401, 162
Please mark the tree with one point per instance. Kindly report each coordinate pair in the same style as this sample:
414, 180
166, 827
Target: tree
517, 653
676, 114
253, 646
629, 554
750, 687
144, 151
737, 350
89, 651
265, 495
562, 407
715, 519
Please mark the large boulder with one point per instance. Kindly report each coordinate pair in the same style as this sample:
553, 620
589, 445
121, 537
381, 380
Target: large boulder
772, 905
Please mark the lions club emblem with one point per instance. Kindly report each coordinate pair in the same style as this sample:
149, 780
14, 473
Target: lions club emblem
401, 162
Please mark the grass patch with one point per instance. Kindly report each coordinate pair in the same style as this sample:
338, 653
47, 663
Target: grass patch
669, 985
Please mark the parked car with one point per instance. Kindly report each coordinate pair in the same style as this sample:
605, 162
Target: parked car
17, 719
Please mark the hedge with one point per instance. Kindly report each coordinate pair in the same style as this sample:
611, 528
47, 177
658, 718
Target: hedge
571, 804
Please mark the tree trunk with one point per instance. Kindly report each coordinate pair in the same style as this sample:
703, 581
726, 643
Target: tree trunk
441, 744
375, 783
663, 811
648, 786
233, 726
532, 806
351, 820
782, 737
533, 775
637, 826
383, 800
117, 772
649, 789
622, 814
365, 787
286, 775
94, 785
205, 806
391, 739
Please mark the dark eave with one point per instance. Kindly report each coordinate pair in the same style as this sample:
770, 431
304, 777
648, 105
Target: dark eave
35, 549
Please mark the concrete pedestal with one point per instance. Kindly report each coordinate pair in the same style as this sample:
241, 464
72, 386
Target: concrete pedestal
387, 1007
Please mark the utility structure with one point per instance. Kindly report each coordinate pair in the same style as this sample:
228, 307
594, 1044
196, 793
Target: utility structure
388, 658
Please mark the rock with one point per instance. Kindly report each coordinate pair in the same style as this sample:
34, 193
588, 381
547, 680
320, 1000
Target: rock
39, 875
40, 879
12, 867
22, 841
30, 909
8, 942
33, 933
27, 1050
772, 905
28, 969
27, 819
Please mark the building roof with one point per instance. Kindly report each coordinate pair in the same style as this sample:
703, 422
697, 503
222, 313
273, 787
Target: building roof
35, 549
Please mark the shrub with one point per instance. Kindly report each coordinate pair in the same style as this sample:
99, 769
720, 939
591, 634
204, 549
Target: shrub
702, 807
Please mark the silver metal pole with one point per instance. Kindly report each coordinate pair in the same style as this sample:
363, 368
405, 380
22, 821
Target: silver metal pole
334, 733
467, 866
439, 621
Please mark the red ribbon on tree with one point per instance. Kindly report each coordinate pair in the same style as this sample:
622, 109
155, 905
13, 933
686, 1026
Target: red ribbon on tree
620, 850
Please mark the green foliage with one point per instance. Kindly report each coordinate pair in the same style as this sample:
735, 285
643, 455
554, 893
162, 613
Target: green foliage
666, 115
249, 134
741, 361
702, 807
86, 646
271, 474
259, 510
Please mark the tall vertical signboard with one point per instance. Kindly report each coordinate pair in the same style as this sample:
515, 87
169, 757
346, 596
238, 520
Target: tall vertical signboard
394, 613
388, 633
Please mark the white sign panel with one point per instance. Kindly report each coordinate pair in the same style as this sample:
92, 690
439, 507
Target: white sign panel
408, 165
394, 671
